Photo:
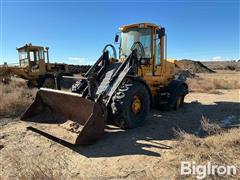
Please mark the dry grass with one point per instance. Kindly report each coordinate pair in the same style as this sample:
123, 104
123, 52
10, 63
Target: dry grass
212, 83
222, 148
34, 169
15, 97
218, 149
210, 128
211, 147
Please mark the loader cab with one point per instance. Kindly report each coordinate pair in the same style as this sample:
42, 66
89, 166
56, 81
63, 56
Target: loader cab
151, 38
33, 57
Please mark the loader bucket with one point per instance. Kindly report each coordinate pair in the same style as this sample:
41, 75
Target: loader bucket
66, 116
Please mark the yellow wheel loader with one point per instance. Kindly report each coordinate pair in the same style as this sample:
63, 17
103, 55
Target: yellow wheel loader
114, 90
35, 67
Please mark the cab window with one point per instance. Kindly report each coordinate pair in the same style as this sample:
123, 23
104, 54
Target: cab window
132, 35
31, 55
22, 54
41, 53
157, 52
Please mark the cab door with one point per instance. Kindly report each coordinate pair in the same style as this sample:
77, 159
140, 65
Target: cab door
41, 62
152, 76
33, 61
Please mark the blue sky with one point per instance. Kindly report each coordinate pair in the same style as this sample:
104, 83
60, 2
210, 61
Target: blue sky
76, 31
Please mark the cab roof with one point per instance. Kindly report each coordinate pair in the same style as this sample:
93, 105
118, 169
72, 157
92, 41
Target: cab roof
139, 25
29, 46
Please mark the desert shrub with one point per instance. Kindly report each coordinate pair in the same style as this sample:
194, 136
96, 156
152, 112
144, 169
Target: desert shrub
188, 139
209, 128
14, 98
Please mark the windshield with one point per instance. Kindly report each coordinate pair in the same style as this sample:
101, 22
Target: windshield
132, 35
23, 59
22, 54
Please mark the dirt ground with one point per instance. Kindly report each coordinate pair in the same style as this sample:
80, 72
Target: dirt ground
135, 154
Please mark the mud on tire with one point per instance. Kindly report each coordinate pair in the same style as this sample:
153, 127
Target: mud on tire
121, 109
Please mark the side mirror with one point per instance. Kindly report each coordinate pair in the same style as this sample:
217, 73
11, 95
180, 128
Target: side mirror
161, 32
116, 38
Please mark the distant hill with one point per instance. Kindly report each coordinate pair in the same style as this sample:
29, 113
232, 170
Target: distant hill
223, 65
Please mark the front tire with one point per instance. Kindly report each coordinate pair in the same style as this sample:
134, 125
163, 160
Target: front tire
49, 82
130, 105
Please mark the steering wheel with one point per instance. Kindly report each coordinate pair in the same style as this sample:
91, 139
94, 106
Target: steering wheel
114, 55
140, 49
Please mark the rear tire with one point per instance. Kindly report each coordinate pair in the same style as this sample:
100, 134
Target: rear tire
180, 97
130, 105
179, 102
176, 100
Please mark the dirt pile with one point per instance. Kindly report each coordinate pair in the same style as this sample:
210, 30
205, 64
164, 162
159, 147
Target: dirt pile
223, 65
78, 69
193, 66
184, 74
